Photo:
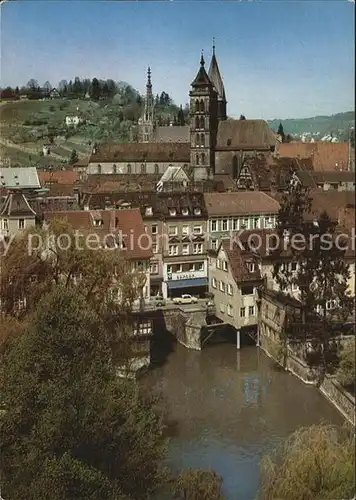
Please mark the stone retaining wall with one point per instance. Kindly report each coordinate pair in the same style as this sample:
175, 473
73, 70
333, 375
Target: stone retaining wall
330, 388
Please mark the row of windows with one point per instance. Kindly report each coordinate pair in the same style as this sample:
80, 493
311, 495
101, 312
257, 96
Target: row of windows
186, 230
188, 267
173, 211
143, 169
237, 223
222, 264
5, 224
198, 248
244, 311
200, 140
223, 287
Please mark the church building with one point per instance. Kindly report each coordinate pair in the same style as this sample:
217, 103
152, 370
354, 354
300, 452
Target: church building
211, 144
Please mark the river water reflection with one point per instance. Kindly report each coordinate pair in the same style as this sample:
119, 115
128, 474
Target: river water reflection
231, 407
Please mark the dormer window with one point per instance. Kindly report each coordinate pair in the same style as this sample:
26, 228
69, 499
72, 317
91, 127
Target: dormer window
185, 211
148, 211
197, 211
172, 212
98, 222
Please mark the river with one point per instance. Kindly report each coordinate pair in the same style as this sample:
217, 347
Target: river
231, 407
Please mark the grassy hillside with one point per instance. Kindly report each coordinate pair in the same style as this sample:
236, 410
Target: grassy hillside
337, 125
29, 124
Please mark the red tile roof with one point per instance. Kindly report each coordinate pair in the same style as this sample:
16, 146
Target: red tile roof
239, 260
113, 223
240, 203
58, 176
327, 156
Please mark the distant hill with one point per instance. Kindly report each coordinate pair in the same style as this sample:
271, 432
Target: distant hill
336, 125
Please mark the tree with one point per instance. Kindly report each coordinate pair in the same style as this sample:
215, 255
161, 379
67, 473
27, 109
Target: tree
321, 274
63, 87
346, 374
180, 117
69, 428
32, 84
36, 261
198, 484
95, 90
280, 132
47, 86
315, 463
73, 157
77, 87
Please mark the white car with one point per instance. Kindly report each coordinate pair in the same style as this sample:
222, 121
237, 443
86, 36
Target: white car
185, 299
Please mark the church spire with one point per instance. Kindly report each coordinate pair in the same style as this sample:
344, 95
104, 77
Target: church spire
215, 78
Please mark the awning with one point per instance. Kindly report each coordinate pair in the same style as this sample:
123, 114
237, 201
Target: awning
187, 283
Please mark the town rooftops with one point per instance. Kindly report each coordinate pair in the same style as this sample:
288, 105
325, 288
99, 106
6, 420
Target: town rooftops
244, 134
109, 225
19, 178
244, 265
240, 203
153, 205
327, 156
142, 152
58, 176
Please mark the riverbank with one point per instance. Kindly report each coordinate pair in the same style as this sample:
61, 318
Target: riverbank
331, 389
226, 409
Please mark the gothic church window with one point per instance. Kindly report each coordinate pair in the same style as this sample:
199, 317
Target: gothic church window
129, 169
202, 122
197, 140
203, 158
202, 140
197, 122
114, 169
197, 107
156, 169
197, 158
143, 168
99, 169
202, 107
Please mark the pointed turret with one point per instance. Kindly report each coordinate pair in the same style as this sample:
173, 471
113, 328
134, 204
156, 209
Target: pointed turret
146, 121
202, 79
215, 77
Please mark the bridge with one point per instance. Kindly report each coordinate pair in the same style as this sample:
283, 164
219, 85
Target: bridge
193, 325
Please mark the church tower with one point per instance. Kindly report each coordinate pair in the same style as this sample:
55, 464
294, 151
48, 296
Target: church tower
146, 121
203, 124
215, 77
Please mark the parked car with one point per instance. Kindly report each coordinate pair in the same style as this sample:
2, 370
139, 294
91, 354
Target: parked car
159, 301
185, 299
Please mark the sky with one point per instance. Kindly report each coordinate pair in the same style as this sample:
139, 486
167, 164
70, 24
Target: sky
278, 59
